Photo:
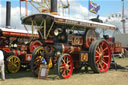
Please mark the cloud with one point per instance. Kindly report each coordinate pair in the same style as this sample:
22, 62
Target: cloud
78, 10
15, 17
2, 16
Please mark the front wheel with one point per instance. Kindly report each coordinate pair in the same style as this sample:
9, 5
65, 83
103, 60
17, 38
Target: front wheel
37, 56
65, 66
99, 56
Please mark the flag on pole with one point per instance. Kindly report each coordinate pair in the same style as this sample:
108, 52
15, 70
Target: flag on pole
93, 7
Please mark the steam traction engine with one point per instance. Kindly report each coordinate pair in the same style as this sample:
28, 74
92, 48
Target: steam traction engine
69, 44
17, 46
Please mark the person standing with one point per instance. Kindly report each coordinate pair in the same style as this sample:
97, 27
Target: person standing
2, 64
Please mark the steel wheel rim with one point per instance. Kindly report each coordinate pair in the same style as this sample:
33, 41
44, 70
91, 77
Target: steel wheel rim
103, 56
66, 67
13, 64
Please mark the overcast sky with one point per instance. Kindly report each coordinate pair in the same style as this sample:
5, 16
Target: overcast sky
78, 8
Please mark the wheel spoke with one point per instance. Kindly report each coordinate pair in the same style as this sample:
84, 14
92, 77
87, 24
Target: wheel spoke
13, 59
63, 74
36, 61
98, 65
104, 62
61, 70
101, 46
67, 61
61, 67
101, 65
63, 60
10, 62
68, 69
106, 56
105, 49
97, 60
16, 61
97, 56
99, 49
97, 52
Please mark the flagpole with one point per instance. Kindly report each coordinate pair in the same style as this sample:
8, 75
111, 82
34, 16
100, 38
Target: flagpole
88, 14
88, 9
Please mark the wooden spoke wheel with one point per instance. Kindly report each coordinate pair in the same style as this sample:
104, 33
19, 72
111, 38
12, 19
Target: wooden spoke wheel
65, 66
99, 56
90, 37
13, 64
37, 56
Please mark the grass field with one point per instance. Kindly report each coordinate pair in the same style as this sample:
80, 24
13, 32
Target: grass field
111, 77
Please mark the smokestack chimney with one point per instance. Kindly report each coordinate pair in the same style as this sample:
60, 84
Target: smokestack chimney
53, 7
8, 11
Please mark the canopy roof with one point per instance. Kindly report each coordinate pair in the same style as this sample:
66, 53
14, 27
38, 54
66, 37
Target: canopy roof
38, 18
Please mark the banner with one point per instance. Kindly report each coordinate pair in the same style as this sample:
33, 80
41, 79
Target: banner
93, 7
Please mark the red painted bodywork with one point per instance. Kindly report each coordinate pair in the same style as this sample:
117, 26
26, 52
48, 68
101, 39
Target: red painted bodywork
116, 47
22, 50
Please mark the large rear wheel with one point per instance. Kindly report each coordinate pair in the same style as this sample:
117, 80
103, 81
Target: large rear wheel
99, 56
65, 66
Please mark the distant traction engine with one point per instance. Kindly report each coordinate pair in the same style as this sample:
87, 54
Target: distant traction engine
17, 46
